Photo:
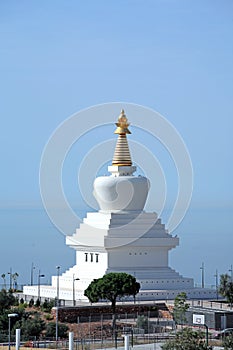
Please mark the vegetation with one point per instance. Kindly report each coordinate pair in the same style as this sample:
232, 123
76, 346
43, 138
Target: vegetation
228, 342
187, 339
143, 323
30, 322
112, 287
48, 305
51, 330
30, 325
7, 300
180, 308
37, 304
31, 302
226, 288
4, 279
13, 280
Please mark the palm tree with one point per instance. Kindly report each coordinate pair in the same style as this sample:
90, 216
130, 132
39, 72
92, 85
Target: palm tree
14, 278
4, 279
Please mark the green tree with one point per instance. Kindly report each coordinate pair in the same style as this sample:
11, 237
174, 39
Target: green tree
143, 323
187, 339
226, 288
20, 311
51, 330
37, 304
16, 303
4, 279
180, 308
7, 300
228, 342
112, 287
48, 305
31, 326
4, 320
31, 302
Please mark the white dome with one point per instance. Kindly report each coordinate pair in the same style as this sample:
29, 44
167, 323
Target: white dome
121, 193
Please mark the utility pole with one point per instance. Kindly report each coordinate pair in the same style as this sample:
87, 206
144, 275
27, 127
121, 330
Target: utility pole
39, 276
231, 271
10, 273
32, 268
202, 275
73, 287
216, 283
58, 275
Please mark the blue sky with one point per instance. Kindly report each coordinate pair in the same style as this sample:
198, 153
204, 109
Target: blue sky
58, 57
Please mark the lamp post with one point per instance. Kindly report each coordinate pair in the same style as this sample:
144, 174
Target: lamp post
39, 276
74, 279
231, 271
9, 329
57, 300
10, 273
32, 268
202, 275
216, 283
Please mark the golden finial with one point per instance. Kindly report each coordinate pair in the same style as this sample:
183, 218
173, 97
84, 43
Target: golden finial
122, 124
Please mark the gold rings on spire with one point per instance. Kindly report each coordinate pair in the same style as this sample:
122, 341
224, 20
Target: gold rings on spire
122, 154
122, 124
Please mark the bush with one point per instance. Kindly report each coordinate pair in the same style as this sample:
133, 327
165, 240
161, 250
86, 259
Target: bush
48, 317
22, 307
47, 305
143, 323
187, 339
37, 304
228, 343
31, 326
31, 302
51, 330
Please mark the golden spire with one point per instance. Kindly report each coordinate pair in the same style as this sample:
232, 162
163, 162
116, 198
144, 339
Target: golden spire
122, 125
122, 154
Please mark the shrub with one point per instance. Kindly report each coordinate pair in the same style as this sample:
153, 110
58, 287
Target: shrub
51, 330
31, 302
187, 339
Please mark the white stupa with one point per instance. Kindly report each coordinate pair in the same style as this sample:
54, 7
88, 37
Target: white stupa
122, 237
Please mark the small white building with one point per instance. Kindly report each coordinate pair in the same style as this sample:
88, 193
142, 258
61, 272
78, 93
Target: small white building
122, 237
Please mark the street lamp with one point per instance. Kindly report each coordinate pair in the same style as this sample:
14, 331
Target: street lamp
39, 276
9, 329
57, 300
231, 271
202, 276
74, 279
216, 283
10, 273
32, 268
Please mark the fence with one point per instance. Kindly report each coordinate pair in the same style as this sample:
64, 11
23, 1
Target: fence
95, 332
91, 343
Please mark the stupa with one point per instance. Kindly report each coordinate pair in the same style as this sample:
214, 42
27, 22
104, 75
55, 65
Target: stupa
122, 237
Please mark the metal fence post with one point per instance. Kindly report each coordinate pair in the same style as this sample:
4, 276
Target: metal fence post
71, 340
17, 339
